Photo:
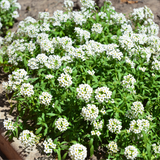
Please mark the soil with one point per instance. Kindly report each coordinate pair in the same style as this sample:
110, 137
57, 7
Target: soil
31, 8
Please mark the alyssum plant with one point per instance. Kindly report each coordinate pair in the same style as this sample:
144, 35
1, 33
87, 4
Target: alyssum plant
84, 79
8, 13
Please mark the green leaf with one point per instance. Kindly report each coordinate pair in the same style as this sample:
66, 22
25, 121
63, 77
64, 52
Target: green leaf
113, 94
109, 110
51, 114
32, 79
43, 116
16, 132
91, 150
119, 32
91, 142
74, 142
45, 131
59, 109
97, 17
59, 153
64, 156
38, 130
64, 96
56, 102
1, 59
149, 150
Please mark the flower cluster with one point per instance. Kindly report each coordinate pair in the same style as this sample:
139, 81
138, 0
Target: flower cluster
156, 64
142, 13
139, 125
65, 80
78, 17
61, 124
78, 152
156, 148
95, 132
136, 110
27, 138
82, 34
90, 113
149, 117
142, 69
117, 18
91, 72
27, 89
129, 82
111, 50
49, 145
49, 76
14, 80
130, 62
84, 92
5, 5
103, 94
67, 70
113, 147
9, 125
114, 126
68, 5
97, 125
45, 98
97, 28
131, 152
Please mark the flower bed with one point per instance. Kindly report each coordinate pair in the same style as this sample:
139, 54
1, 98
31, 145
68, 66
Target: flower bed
84, 79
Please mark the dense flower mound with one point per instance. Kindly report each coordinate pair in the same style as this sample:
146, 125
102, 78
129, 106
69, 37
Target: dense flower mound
8, 13
84, 79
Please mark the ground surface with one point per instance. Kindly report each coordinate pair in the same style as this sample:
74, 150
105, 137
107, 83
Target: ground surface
31, 8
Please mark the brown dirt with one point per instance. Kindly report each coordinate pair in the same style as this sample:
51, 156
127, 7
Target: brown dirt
31, 8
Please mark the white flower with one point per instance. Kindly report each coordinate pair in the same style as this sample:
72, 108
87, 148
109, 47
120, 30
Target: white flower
61, 124
5, 4
9, 125
90, 113
129, 82
49, 76
131, 152
91, 72
27, 138
65, 80
68, 4
82, 34
27, 89
67, 70
43, 15
136, 110
156, 148
114, 126
78, 152
112, 146
15, 14
78, 17
103, 94
139, 125
49, 145
142, 69
84, 92
97, 125
97, 28
45, 98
